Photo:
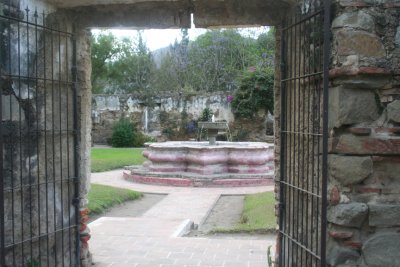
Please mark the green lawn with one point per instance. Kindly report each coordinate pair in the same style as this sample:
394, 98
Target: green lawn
102, 197
258, 214
105, 159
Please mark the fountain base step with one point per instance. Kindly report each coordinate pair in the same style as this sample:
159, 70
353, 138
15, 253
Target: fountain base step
196, 180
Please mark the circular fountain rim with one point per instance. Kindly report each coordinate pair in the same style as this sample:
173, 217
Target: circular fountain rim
206, 145
188, 163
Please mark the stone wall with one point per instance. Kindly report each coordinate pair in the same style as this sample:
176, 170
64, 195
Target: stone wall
167, 117
364, 134
364, 160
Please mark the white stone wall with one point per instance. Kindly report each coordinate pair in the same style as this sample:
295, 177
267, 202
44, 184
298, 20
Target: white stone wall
193, 105
106, 109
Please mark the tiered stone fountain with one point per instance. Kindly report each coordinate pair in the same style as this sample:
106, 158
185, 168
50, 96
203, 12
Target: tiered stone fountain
206, 163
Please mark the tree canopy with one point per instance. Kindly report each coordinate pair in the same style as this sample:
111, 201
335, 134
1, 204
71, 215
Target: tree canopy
120, 65
215, 61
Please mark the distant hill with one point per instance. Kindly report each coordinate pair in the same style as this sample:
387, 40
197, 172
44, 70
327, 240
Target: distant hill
159, 55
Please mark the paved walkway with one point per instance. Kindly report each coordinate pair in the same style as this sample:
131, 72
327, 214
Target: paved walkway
153, 239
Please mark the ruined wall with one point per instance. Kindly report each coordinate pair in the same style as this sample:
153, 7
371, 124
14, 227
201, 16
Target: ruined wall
167, 117
364, 110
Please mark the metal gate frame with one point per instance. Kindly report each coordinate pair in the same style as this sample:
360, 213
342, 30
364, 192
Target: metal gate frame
39, 144
305, 48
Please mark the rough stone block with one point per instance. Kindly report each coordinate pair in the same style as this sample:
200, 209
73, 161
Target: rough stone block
349, 106
338, 255
349, 169
360, 77
352, 214
393, 111
361, 145
357, 20
384, 215
363, 81
361, 43
354, 71
387, 168
382, 250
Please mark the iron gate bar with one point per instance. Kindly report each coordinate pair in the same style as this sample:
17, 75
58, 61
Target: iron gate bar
77, 144
325, 127
282, 145
45, 136
36, 15
305, 47
27, 239
2, 231
302, 76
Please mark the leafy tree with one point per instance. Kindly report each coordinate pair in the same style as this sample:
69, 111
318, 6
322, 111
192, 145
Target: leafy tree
120, 65
166, 77
172, 74
216, 58
105, 48
255, 92
132, 71
266, 44
215, 61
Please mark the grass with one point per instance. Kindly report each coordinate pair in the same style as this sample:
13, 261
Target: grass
105, 159
258, 215
102, 197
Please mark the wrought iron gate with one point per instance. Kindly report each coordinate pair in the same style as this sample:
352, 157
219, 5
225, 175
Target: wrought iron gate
39, 224
304, 116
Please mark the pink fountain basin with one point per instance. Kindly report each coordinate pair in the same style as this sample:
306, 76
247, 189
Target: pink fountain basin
201, 164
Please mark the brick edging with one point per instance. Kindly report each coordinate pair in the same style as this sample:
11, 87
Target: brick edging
184, 182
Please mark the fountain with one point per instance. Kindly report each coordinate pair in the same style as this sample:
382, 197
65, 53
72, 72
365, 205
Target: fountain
212, 129
206, 163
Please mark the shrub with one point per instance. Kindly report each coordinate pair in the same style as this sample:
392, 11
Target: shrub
124, 133
141, 138
206, 115
255, 92
241, 135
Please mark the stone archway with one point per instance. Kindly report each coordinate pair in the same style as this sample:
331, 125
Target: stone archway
363, 185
